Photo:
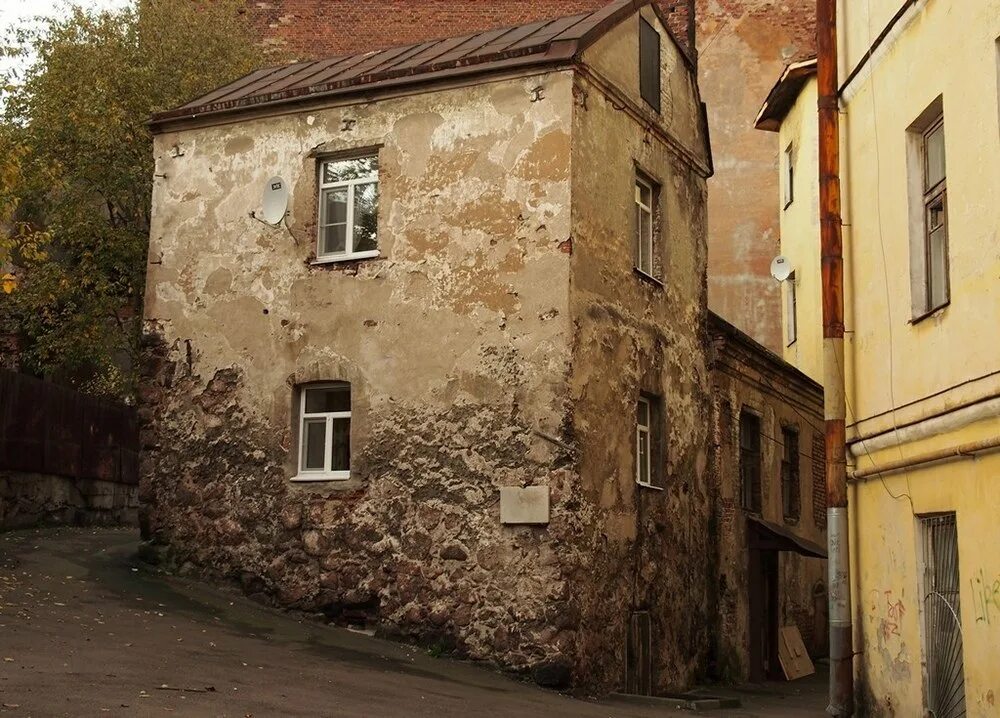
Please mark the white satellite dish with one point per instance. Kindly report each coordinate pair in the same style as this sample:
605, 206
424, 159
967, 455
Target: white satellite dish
781, 268
275, 200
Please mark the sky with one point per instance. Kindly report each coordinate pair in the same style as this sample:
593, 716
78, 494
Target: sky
14, 12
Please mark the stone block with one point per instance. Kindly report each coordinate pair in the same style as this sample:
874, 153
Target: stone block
527, 505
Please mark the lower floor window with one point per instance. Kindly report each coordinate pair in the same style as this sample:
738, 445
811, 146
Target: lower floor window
325, 431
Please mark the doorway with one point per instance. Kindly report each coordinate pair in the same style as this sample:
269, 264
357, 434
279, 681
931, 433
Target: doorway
764, 615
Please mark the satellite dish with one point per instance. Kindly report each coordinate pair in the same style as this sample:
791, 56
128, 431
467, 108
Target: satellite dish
781, 268
275, 200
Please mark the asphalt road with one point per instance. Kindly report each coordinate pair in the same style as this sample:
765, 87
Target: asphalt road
88, 630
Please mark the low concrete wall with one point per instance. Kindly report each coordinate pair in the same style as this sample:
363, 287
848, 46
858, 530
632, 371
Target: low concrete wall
28, 499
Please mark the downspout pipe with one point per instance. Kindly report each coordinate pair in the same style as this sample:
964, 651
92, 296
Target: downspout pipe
834, 408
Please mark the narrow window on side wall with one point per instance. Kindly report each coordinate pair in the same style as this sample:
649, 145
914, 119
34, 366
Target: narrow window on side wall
348, 209
790, 491
791, 316
647, 198
325, 432
789, 178
649, 433
936, 216
750, 460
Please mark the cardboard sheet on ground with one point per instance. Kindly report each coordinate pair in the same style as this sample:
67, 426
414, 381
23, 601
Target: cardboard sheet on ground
792, 654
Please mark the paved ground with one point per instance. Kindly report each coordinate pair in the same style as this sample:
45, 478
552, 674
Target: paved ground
86, 630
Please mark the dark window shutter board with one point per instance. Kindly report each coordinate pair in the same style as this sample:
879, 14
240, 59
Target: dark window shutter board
649, 64
638, 655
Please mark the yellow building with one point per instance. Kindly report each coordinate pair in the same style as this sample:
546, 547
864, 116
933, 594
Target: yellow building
920, 171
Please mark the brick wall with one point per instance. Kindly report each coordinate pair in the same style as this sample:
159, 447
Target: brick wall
311, 29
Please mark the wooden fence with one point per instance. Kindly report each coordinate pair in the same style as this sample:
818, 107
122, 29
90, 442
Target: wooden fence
50, 429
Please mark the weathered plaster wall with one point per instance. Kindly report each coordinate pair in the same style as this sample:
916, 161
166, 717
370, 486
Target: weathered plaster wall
743, 377
743, 46
647, 549
456, 342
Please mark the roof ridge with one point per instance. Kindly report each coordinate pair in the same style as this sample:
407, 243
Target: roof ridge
549, 41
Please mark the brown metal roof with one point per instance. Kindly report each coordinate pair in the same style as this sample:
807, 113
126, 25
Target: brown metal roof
538, 43
782, 96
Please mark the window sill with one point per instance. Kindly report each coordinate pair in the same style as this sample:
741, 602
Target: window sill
930, 313
313, 478
649, 486
332, 259
647, 277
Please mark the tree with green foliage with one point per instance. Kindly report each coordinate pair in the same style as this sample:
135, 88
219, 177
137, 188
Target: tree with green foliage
76, 172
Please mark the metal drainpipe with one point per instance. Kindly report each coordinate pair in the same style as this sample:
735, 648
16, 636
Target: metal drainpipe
831, 241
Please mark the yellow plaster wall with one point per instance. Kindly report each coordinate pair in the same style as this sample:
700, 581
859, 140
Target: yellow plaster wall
952, 346
888, 566
900, 373
800, 233
928, 367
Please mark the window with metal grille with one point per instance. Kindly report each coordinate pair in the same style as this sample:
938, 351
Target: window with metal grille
944, 689
819, 479
790, 494
750, 459
649, 64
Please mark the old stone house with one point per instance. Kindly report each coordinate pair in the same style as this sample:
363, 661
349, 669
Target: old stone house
459, 389
768, 497
741, 46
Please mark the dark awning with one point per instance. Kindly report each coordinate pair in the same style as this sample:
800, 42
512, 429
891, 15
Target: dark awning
765, 536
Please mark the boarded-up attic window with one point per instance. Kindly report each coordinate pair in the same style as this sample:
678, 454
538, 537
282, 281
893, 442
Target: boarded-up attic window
649, 64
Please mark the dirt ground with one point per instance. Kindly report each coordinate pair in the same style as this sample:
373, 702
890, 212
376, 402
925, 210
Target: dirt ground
88, 630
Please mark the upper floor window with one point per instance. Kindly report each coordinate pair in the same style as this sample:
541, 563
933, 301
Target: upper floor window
348, 209
648, 442
935, 216
750, 459
790, 493
647, 220
644, 225
928, 192
325, 432
649, 64
788, 179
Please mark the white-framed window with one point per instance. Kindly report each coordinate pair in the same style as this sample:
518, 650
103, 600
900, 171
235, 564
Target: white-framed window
324, 432
788, 187
928, 194
791, 315
348, 209
645, 193
648, 452
936, 216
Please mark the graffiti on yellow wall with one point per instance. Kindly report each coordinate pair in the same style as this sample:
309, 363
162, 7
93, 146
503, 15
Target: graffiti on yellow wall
985, 597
